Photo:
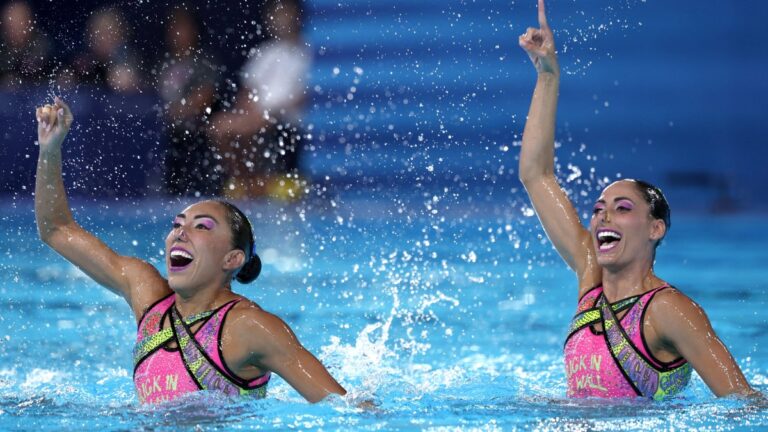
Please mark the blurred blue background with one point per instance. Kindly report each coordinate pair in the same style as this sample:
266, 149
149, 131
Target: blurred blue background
435, 93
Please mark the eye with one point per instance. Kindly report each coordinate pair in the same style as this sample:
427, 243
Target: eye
202, 226
624, 206
175, 224
597, 209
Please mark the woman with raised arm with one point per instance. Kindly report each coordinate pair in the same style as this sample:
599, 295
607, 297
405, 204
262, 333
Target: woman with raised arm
633, 333
194, 333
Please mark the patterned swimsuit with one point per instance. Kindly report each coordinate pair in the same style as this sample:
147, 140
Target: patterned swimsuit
616, 362
195, 363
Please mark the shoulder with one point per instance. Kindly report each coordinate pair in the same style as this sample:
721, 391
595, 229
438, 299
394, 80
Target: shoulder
139, 269
260, 335
142, 276
673, 313
146, 284
249, 322
670, 299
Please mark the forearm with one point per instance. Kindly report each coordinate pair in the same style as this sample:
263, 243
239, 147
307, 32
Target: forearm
719, 370
538, 149
51, 205
311, 379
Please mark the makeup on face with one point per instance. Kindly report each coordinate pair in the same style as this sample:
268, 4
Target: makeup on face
599, 206
620, 203
625, 203
207, 221
179, 257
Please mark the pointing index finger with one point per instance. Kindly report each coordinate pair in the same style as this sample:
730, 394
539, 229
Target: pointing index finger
542, 15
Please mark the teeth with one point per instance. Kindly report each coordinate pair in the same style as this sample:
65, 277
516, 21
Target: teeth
180, 253
608, 235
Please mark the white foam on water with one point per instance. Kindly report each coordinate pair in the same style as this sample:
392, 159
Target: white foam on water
38, 377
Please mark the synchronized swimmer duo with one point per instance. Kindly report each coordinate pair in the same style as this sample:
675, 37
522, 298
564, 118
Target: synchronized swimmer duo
633, 333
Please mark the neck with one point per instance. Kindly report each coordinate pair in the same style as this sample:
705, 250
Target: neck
633, 279
190, 303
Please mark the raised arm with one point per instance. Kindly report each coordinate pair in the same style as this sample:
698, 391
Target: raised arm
682, 329
58, 229
536, 171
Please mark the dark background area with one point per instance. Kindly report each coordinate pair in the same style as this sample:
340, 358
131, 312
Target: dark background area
435, 94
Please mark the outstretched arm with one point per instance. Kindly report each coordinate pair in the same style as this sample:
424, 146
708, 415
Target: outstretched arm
273, 346
58, 229
536, 171
682, 329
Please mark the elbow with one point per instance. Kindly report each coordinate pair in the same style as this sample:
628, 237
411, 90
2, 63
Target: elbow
45, 234
48, 232
527, 175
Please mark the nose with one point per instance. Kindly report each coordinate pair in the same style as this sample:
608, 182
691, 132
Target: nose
606, 215
180, 233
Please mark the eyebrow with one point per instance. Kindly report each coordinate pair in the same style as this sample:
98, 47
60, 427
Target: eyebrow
617, 199
200, 216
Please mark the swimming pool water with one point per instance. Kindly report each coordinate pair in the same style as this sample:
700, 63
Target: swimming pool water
450, 314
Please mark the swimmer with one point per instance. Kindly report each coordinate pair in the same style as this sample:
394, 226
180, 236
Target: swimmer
633, 333
194, 332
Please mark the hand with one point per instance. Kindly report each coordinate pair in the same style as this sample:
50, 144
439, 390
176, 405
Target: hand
540, 45
53, 123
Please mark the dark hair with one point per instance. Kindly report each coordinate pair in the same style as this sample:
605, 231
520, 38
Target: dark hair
659, 207
242, 238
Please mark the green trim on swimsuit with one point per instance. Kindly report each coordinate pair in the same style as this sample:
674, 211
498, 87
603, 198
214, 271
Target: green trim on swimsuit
592, 316
150, 343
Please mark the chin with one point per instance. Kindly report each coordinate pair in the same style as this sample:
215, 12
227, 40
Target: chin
611, 264
606, 260
176, 282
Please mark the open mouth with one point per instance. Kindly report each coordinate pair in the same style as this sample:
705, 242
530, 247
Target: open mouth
180, 259
607, 240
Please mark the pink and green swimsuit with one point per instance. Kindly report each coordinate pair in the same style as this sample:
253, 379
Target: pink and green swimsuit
195, 363
616, 362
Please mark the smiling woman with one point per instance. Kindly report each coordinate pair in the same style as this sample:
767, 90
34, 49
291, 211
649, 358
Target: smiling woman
633, 333
194, 333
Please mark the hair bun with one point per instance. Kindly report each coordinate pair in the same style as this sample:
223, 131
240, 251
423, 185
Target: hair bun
250, 270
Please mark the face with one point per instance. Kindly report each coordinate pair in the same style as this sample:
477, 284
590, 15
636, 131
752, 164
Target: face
622, 227
17, 23
182, 34
282, 21
106, 34
198, 249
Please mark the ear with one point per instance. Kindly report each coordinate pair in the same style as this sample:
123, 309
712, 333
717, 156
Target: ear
234, 259
658, 229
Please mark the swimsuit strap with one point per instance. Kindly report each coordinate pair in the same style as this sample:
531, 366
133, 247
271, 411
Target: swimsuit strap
645, 379
592, 315
147, 345
200, 366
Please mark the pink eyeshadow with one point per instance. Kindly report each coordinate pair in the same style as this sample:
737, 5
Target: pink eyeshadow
208, 223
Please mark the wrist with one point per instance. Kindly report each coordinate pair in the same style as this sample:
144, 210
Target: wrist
49, 149
549, 78
548, 66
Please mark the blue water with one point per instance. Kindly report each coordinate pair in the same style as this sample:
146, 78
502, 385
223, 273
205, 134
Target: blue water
448, 312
